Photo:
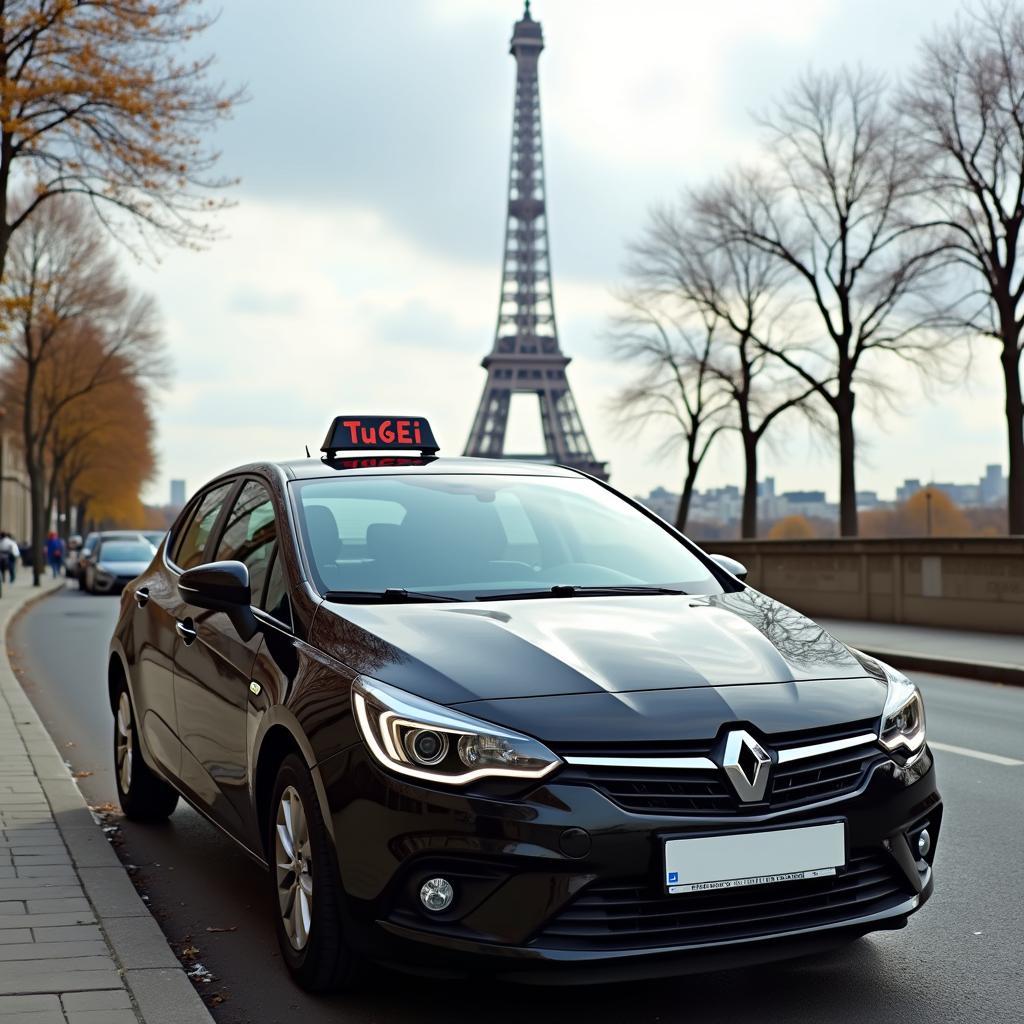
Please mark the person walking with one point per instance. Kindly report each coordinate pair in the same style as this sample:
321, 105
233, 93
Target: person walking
55, 553
9, 555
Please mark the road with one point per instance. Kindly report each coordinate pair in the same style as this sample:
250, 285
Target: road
958, 960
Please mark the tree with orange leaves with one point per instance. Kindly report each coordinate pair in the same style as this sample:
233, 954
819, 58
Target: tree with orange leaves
74, 332
95, 100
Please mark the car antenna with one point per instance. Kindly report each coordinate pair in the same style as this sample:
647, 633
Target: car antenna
307, 451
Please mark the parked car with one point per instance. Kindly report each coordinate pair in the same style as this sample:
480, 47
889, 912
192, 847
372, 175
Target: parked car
87, 556
117, 561
155, 537
496, 715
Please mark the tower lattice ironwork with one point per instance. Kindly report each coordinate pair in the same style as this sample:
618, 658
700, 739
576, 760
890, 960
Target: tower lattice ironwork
526, 356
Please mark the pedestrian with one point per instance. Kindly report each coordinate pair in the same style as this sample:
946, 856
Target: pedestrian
9, 554
55, 553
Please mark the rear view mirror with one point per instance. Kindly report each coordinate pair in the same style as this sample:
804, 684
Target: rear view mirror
738, 569
221, 587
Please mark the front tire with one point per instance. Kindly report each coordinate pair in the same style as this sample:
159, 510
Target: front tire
305, 887
143, 795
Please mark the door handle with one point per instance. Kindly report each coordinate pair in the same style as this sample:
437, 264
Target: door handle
186, 631
142, 596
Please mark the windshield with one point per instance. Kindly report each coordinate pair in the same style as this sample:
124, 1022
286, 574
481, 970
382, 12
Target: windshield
470, 536
119, 551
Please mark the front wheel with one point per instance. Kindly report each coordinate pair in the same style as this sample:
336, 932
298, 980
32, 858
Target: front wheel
142, 794
306, 890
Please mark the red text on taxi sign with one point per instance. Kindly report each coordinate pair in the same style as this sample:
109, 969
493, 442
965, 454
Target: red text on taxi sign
380, 433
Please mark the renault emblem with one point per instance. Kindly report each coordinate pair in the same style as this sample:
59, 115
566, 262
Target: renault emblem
747, 765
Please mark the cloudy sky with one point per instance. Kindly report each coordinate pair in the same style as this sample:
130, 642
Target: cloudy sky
359, 269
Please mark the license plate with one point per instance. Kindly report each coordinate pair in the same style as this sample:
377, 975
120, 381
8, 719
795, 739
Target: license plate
754, 858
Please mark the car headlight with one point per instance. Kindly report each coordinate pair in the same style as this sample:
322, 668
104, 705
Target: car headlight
412, 736
903, 726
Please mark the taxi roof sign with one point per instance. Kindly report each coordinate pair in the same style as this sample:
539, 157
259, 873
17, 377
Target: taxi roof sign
378, 434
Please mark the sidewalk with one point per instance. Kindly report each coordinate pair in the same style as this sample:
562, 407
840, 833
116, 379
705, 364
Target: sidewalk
997, 657
77, 944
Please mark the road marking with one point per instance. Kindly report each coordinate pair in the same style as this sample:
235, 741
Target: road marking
981, 755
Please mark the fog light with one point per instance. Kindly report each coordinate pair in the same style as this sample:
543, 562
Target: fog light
924, 843
437, 894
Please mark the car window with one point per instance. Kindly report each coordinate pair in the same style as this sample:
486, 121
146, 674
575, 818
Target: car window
468, 535
249, 534
276, 601
191, 548
124, 551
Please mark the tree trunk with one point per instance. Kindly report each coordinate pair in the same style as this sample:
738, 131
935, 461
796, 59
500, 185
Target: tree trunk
686, 496
748, 522
39, 514
1015, 425
847, 464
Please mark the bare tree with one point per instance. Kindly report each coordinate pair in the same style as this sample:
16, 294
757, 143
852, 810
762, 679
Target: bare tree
672, 348
835, 209
740, 288
61, 288
966, 106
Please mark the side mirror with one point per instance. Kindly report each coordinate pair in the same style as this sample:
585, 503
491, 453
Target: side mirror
221, 587
738, 569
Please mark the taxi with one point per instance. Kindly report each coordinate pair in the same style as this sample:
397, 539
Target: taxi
486, 715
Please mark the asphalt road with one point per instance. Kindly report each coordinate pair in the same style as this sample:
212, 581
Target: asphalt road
960, 959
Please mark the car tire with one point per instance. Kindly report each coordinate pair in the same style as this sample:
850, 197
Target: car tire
143, 795
306, 903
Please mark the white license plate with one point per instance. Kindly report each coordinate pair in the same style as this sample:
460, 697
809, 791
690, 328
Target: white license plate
754, 858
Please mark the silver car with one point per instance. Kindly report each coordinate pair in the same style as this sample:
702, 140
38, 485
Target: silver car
116, 562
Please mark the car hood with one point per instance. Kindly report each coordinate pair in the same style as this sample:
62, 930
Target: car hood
458, 653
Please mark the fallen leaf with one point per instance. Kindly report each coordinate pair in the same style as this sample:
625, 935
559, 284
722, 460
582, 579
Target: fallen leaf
81, 775
233, 928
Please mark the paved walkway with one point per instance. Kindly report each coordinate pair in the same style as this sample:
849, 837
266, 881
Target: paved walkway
954, 644
77, 944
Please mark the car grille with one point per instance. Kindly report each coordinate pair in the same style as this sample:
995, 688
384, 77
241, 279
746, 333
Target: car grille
628, 914
706, 792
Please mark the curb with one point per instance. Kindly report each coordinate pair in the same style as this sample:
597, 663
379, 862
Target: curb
156, 981
986, 671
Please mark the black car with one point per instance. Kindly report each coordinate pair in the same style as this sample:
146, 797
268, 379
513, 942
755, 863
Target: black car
491, 715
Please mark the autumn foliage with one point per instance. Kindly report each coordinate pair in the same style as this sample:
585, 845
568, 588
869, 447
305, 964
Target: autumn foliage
80, 350
791, 528
911, 518
95, 100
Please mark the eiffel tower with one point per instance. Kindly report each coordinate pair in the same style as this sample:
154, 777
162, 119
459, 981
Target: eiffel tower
526, 356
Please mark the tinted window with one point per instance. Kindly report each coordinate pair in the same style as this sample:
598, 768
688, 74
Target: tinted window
249, 534
123, 551
467, 535
191, 548
276, 601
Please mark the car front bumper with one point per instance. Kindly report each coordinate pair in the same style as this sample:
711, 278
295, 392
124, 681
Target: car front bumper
554, 881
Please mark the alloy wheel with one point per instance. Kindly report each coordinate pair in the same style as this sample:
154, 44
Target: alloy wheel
123, 752
294, 867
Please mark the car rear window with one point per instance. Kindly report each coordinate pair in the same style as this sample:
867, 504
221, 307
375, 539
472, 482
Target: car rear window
121, 551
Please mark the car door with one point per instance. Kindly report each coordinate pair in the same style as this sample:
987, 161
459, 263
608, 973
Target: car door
157, 609
212, 672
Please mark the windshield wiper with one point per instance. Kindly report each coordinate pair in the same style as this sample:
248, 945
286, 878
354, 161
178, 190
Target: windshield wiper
392, 595
570, 590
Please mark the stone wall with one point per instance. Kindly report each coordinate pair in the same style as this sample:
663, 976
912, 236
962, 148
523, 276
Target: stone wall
969, 583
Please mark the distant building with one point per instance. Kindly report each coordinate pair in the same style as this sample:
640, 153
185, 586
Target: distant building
177, 493
662, 503
990, 489
867, 499
15, 505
